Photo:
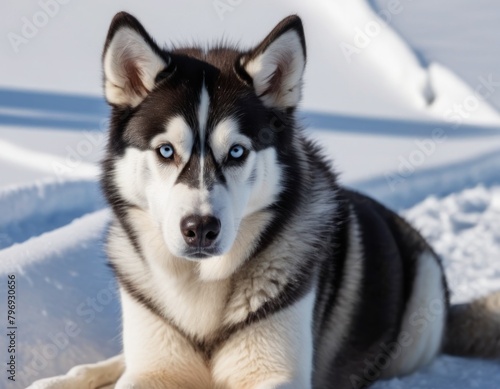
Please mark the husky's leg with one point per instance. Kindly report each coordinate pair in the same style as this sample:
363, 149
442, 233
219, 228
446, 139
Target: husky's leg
423, 323
156, 354
273, 353
90, 376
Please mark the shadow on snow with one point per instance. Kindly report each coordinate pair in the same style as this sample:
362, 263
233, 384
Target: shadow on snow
79, 112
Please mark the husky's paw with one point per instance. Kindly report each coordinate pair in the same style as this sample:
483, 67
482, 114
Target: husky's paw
91, 376
63, 382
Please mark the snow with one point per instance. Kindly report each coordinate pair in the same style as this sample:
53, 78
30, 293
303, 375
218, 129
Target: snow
401, 117
459, 34
464, 229
33, 209
449, 372
67, 305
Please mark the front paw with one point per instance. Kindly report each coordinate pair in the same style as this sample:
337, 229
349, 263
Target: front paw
62, 382
91, 376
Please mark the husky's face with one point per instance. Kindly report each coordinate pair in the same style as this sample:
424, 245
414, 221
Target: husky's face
198, 139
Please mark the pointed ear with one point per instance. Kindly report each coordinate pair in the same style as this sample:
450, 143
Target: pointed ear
131, 61
276, 65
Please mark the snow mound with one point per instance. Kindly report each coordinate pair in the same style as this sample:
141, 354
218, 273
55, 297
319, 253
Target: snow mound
39, 207
464, 229
67, 307
44, 162
431, 88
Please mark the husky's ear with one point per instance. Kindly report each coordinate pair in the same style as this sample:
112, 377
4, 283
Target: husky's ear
131, 61
277, 64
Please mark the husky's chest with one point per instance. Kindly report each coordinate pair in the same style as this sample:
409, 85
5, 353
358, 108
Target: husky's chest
197, 308
169, 288
205, 309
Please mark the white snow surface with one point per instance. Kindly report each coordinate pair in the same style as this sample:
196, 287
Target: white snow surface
400, 118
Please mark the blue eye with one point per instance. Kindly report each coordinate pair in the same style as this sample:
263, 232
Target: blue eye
237, 152
166, 151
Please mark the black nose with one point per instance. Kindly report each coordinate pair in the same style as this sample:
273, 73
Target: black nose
200, 231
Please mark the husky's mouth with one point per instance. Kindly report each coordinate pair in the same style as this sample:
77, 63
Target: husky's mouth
201, 254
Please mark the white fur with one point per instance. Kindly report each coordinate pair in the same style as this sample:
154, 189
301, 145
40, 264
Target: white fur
194, 305
264, 164
161, 359
130, 178
271, 353
286, 53
423, 322
179, 135
264, 280
175, 204
202, 124
226, 134
128, 48
223, 266
268, 181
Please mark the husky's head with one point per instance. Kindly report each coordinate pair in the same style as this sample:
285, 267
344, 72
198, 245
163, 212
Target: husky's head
201, 140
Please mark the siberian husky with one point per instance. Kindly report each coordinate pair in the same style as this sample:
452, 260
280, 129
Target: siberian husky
242, 263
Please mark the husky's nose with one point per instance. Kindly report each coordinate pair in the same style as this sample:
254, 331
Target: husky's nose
200, 231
